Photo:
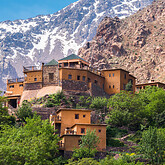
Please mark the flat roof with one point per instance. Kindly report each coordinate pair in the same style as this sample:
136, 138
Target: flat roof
71, 109
89, 124
114, 69
150, 83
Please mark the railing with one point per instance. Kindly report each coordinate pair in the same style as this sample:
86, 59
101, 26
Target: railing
20, 79
31, 68
61, 145
58, 118
83, 68
70, 132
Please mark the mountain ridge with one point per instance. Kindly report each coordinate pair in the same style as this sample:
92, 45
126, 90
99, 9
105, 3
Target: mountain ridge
44, 37
136, 43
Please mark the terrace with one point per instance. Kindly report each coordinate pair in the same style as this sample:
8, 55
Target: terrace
20, 79
31, 68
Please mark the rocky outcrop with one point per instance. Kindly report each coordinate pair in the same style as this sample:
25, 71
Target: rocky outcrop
136, 43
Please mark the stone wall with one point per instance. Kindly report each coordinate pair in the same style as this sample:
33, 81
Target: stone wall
33, 86
97, 91
44, 112
74, 85
50, 69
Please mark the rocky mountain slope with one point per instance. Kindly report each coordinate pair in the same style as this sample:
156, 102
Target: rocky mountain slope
136, 43
39, 39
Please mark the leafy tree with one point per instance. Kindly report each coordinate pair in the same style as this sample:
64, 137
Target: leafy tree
35, 143
152, 144
100, 105
84, 161
128, 86
24, 111
89, 143
5, 118
56, 99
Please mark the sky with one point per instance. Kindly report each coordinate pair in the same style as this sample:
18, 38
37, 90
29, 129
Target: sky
23, 9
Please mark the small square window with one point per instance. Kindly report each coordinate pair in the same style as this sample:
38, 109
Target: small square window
21, 85
96, 81
83, 78
69, 76
82, 130
109, 86
35, 79
99, 130
76, 116
84, 115
113, 74
109, 75
78, 77
79, 142
113, 86
11, 86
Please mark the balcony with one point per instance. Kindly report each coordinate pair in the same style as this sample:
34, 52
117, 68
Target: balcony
69, 131
31, 68
20, 79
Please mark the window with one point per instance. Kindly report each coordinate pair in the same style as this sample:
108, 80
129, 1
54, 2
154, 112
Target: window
69, 76
89, 80
125, 76
76, 116
113, 86
96, 81
84, 115
79, 142
99, 130
109, 86
83, 78
78, 77
21, 85
35, 79
82, 130
11, 86
51, 76
109, 75
113, 74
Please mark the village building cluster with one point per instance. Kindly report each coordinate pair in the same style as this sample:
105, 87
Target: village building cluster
73, 75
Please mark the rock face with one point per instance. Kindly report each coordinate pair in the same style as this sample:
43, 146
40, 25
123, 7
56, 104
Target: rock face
39, 39
136, 43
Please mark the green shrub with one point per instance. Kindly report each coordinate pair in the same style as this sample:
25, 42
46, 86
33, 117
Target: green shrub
114, 143
152, 144
84, 161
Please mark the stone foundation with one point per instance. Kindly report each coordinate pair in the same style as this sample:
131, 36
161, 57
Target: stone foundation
33, 86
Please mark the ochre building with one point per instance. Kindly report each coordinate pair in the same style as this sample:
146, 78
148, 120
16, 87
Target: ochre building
73, 75
71, 124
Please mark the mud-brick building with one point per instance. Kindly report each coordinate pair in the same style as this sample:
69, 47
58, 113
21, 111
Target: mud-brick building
73, 75
71, 124
156, 84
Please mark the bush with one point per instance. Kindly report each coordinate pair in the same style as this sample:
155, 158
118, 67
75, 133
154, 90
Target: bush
24, 111
84, 161
152, 144
114, 143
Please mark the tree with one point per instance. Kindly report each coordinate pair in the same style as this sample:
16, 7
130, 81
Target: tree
89, 143
152, 144
100, 105
35, 143
128, 86
5, 118
24, 111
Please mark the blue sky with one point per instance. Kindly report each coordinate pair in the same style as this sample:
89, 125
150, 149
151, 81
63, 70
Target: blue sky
23, 9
